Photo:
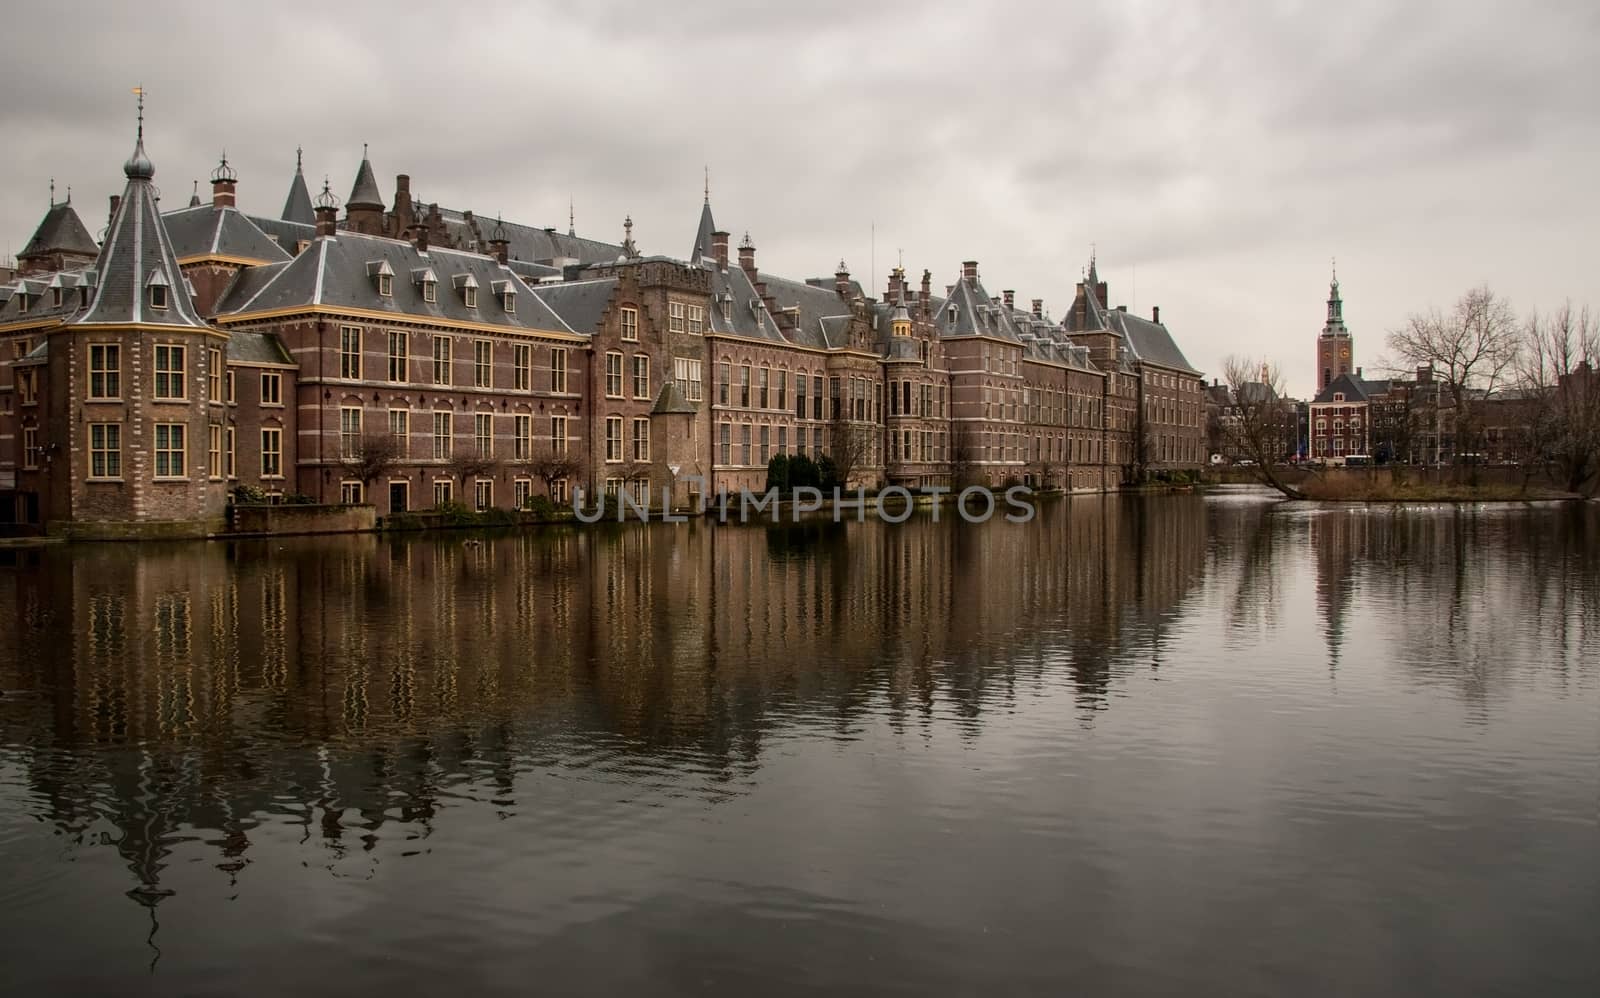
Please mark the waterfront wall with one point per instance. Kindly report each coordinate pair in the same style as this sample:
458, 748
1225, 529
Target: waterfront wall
301, 519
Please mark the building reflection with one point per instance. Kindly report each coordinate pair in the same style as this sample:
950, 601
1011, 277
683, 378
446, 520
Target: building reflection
346, 685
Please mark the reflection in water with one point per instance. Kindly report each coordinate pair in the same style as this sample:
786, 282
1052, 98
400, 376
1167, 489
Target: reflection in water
333, 703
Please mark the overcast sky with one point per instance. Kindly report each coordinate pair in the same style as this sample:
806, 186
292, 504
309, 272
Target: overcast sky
1216, 155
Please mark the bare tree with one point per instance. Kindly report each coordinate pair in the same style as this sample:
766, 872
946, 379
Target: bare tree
468, 464
963, 456
372, 457
550, 468
1259, 426
1472, 349
1559, 373
849, 446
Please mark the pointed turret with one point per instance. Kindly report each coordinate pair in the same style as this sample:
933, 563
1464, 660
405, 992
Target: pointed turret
364, 207
139, 281
60, 241
297, 206
703, 242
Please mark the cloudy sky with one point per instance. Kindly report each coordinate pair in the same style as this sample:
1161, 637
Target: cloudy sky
1216, 156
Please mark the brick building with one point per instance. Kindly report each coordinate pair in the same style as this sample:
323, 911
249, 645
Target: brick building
207, 348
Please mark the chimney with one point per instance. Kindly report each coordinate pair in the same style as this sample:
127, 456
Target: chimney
747, 257
1155, 314
224, 184
327, 220
116, 199
969, 270
841, 281
719, 249
500, 246
404, 215
419, 238
1010, 298
1038, 308
927, 290
1358, 373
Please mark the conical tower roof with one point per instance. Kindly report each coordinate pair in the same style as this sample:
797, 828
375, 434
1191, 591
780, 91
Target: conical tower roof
297, 206
61, 231
365, 193
702, 238
136, 256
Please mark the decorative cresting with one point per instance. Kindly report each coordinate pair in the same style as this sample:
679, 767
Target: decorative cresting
327, 199
224, 174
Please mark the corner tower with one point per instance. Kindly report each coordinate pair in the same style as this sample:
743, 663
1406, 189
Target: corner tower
1335, 348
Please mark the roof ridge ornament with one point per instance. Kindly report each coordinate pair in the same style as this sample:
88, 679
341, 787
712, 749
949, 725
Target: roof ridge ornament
138, 166
327, 199
224, 174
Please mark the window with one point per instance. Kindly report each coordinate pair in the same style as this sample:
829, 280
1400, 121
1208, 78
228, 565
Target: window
228, 436
687, 372
350, 493
214, 450
766, 379
483, 433
397, 355
105, 450
483, 363
783, 390
727, 309
483, 493
816, 396
349, 432
630, 324
271, 453
695, 321
613, 438
522, 438
469, 295
169, 372
171, 454
508, 301
783, 440
213, 374
641, 376
350, 352
386, 285
744, 385
675, 316
613, 375
30, 447
430, 290
558, 435
442, 491
271, 389
158, 296
441, 360
105, 371
558, 369
766, 443
522, 367
724, 372
641, 440
745, 455
400, 427
441, 435
521, 492
232, 395
800, 396
834, 410
727, 443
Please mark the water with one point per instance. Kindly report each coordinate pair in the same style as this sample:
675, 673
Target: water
1167, 745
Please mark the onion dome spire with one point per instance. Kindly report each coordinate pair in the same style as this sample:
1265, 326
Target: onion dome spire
138, 166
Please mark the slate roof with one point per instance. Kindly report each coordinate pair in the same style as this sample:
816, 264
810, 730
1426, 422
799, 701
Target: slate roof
364, 192
256, 348
671, 399
974, 314
211, 231
524, 241
822, 319
580, 304
1149, 342
137, 253
1355, 389
702, 239
285, 233
297, 206
77, 285
61, 231
337, 272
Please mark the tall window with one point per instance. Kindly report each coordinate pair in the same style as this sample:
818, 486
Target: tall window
105, 450
687, 372
695, 323
229, 439
30, 447
675, 316
522, 367
521, 492
835, 412
105, 371
641, 376
483, 493
483, 363
816, 396
441, 360
800, 396
398, 361
442, 490
350, 431
766, 378
630, 324
558, 369
724, 372
350, 352
558, 435
271, 389
522, 437
727, 443
766, 443
170, 372
214, 450
400, 430
613, 375
232, 396
441, 435
213, 374
641, 439
483, 433
271, 453
745, 455
613, 438
744, 385
783, 390
171, 453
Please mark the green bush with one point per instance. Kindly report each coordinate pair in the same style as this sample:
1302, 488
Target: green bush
778, 473
803, 472
827, 474
542, 507
298, 499
249, 495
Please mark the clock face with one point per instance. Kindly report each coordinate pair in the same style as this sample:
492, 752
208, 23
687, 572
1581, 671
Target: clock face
1344, 354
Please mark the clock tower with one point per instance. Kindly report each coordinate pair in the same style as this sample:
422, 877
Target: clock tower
1334, 346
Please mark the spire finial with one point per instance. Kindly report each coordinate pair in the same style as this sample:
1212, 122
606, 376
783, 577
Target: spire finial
363, 150
1335, 261
139, 90
572, 216
69, 194
708, 183
52, 192
138, 166
299, 158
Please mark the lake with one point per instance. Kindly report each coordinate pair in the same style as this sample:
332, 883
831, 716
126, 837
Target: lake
1141, 745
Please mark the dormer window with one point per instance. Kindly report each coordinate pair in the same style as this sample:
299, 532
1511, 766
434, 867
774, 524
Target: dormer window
507, 295
157, 287
1338, 396
382, 276
424, 278
468, 286
950, 314
55, 297
727, 308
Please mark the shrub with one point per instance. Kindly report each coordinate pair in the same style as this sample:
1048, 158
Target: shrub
542, 507
298, 499
778, 473
802, 472
827, 474
248, 495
